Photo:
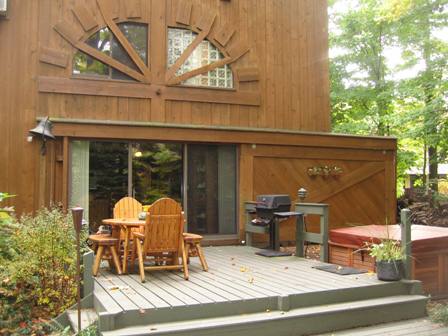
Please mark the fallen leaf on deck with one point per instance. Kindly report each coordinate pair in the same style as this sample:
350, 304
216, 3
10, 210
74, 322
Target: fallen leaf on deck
286, 267
113, 288
251, 280
243, 269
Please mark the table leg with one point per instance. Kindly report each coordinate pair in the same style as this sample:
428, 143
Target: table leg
276, 238
127, 234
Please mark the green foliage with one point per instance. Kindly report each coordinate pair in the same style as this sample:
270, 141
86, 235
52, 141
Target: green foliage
366, 95
439, 313
90, 331
386, 250
38, 281
7, 228
157, 171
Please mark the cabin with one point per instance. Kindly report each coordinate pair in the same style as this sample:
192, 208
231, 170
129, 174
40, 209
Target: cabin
209, 102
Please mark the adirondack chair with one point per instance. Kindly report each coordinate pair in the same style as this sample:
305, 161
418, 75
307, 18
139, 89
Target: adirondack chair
127, 207
162, 242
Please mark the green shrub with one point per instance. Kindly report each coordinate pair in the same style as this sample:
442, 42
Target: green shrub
38, 281
439, 313
7, 229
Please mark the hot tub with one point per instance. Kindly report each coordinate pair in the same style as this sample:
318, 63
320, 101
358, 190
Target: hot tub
429, 251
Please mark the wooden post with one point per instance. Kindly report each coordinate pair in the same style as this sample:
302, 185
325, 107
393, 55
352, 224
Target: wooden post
303, 236
77, 222
300, 251
406, 241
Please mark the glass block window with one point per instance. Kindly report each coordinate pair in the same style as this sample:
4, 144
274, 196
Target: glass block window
105, 42
204, 54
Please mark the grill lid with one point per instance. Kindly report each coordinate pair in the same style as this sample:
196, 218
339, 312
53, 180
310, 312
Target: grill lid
274, 202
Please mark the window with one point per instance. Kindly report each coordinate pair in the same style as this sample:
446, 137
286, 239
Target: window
105, 42
204, 54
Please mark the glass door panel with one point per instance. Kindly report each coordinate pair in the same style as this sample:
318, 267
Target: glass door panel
156, 171
211, 196
108, 177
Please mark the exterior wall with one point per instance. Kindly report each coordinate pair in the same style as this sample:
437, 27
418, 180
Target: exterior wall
363, 193
284, 96
287, 56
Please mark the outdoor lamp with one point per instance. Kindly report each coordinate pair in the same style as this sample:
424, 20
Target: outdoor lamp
43, 130
302, 193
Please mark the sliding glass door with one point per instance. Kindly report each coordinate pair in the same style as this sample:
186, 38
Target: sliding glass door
211, 184
104, 172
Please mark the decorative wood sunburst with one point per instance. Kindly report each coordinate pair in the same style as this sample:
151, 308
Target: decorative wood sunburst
154, 80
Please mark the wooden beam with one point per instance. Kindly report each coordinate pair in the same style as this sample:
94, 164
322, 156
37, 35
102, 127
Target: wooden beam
53, 57
224, 35
238, 50
248, 74
65, 171
247, 98
183, 13
206, 21
68, 32
111, 62
137, 90
198, 71
181, 132
93, 87
106, 12
206, 25
85, 18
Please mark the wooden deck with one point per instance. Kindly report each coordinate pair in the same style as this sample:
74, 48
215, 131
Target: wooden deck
417, 327
238, 283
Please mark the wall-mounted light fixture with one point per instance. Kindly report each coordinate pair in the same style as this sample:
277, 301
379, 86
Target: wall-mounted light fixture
3, 8
324, 171
43, 131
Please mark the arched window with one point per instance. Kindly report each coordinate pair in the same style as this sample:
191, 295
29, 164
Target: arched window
105, 42
204, 54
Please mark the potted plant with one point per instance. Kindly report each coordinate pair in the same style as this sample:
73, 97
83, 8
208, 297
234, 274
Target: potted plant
389, 259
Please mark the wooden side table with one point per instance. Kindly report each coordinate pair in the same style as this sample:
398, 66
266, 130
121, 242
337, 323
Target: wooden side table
193, 248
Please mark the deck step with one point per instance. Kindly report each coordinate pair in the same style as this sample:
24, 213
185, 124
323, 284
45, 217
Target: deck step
301, 321
88, 317
414, 327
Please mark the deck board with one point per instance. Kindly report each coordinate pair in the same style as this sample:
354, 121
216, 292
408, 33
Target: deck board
236, 278
297, 270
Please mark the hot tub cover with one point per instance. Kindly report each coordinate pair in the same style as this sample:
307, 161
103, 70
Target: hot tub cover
423, 236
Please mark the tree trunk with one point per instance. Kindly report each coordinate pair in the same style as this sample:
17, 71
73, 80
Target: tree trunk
433, 166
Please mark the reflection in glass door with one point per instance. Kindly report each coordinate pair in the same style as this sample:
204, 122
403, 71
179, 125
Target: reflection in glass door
211, 184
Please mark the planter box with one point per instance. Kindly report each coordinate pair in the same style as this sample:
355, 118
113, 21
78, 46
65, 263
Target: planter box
429, 252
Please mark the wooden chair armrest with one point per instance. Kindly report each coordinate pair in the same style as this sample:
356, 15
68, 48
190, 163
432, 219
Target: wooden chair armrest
138, 235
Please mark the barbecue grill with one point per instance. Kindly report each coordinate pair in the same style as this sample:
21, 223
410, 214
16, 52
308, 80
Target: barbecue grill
270, 211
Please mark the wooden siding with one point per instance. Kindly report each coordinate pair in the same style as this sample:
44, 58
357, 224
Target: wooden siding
359, 195
287, 43
281, 85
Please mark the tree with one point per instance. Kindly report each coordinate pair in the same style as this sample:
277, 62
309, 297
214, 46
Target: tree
362, 95
416, 24
366, 95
